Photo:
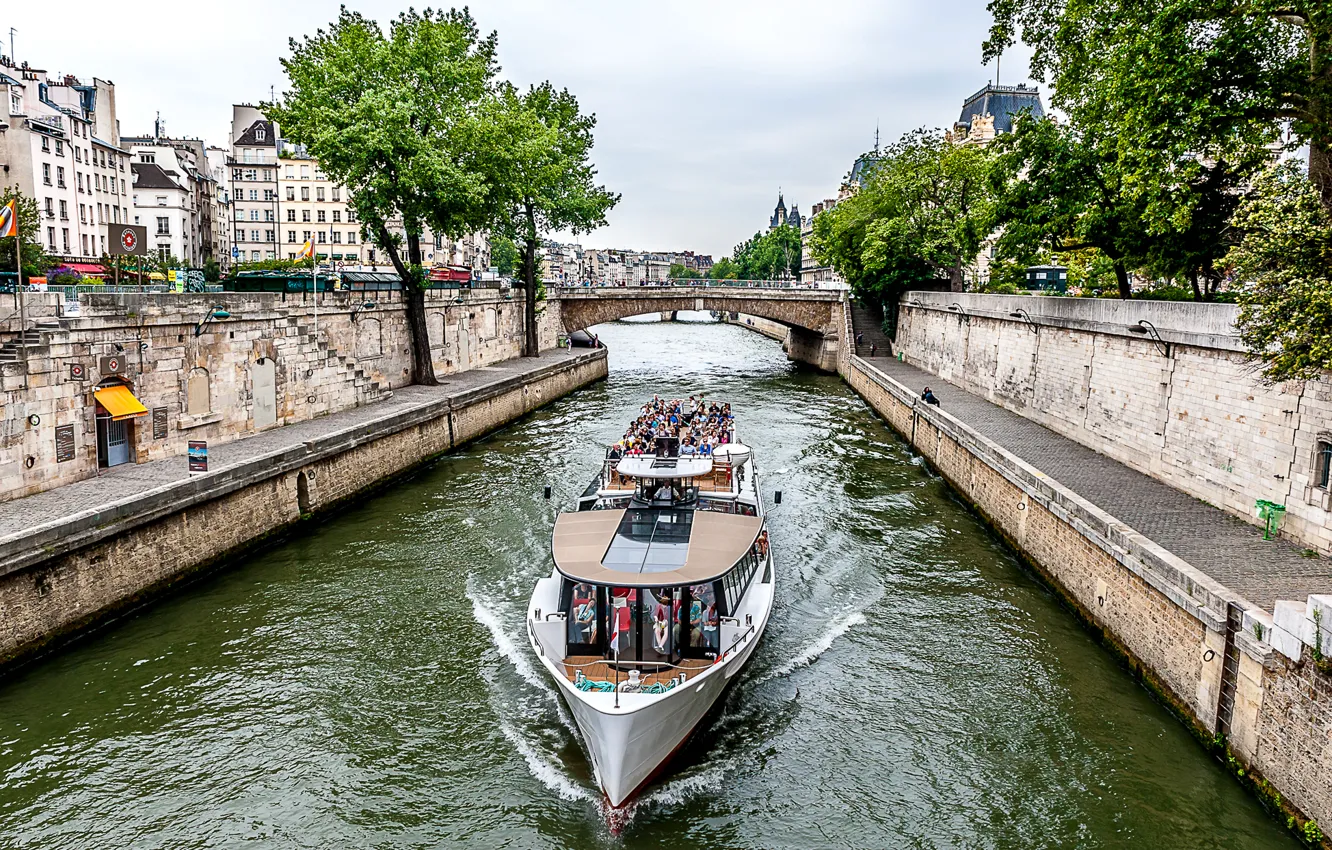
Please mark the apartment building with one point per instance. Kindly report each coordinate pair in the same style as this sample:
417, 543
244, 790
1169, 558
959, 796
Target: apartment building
253, 184
314, 207
60, 144
205, 233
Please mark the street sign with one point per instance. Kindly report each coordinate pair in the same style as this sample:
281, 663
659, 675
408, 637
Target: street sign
128, 240
111, 364
235, 252
77, 372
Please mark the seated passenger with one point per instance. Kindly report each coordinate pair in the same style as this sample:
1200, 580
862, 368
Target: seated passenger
583, 623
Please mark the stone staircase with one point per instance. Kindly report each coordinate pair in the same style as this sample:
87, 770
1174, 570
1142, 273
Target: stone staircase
368, 391
11, 351
867, 323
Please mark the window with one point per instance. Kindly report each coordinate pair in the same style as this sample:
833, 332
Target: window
254, 237
351, 237
161, 200
322, 216
237, 174
50, 208
254, 256
254, 215
46, 147
305, 215
268, 215
305, 236
321, 240
60, 176
46, 173
254, 194
85, 239
83, 210
351, 215
144, 156
240, 235
240, 214
163, 226
270, 195
78, 154
337, 237
291, 193
291, 175
291, 215
337, 216
305, 172
64, 211
291, 236
251, 174
319, 193
260, 135
64, 238
270, 236
337, 194
60, 148
305, 193
50, 239
1323, 463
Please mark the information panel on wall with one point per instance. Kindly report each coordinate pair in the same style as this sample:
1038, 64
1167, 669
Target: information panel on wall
64, 443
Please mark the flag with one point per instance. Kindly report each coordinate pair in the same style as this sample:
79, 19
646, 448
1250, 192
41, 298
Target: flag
619, 638
9, 219
307, 250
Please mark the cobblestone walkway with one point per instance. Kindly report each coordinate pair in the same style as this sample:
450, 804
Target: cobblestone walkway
1226, 548
121, 481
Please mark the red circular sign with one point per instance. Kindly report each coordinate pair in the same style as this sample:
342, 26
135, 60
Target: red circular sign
128, 240
112, 364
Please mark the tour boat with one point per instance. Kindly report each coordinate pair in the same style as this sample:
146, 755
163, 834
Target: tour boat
662, 587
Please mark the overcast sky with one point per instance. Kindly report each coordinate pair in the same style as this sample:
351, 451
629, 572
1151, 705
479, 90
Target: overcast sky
704, 107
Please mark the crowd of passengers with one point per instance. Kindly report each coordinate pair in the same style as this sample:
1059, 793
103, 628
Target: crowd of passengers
678, 426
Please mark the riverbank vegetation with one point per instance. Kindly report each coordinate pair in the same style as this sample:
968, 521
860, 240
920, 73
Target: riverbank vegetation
1192, 160
416, 125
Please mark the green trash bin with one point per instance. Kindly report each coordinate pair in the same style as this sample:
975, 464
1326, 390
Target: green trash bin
1271, 514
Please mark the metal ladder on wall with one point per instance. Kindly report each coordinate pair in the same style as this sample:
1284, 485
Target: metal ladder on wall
1225, 706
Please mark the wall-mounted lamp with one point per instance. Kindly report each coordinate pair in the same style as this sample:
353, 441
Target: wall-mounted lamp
361, 308
216, 312
957, 308
1026, 317
916, 302
1149, 330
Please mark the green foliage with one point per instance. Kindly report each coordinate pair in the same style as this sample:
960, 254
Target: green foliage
1188, 82
503, 254
397, 119
278, 264
774, 255
1285, 256
679, 271
1311, 833
920, 219
35, 260
538, 163
212, 271
724, 269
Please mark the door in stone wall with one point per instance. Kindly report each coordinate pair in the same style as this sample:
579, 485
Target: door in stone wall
263, 376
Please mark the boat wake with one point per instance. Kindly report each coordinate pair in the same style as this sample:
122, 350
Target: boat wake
545, 769
811, 653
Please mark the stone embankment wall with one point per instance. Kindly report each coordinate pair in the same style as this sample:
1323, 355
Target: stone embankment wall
1176, 398
276, 361
58, 581
758, 324
1170, 622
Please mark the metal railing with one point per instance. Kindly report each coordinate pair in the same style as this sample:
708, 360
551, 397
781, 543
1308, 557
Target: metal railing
704, 283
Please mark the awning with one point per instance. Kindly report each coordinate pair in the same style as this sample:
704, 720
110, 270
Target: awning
87, 268
119, 402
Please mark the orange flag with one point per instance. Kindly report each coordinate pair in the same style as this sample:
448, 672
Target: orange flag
9, 219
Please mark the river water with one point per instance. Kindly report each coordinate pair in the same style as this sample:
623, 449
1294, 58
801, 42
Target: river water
366, 684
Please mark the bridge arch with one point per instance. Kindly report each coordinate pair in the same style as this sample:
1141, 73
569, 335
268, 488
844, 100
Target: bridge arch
816, 316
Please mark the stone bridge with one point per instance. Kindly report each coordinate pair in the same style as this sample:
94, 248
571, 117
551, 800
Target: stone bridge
815, 317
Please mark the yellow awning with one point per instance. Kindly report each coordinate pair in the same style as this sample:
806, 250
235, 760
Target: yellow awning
119, 402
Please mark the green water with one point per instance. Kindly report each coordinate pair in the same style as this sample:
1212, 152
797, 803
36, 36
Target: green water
367, 685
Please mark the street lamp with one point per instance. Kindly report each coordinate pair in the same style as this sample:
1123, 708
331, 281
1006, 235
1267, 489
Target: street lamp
363, 306
217, 311
957, 308
1026, 317
1149, 330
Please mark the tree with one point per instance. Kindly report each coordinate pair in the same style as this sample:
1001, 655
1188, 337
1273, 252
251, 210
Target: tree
774, 255
920, 218
34, 258
679, 271
504, 255
724, 269
1186, 80
395, 119
1060, 189
1285, 255
542, 176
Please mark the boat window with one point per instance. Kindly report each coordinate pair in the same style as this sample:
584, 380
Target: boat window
660, 627
650, 541
622, 625
581, 615
701, 620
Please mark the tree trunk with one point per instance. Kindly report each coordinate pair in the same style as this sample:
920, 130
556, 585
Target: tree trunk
1122, 277
531, 339
413, 298
1193, 281
956, 283
1320, 171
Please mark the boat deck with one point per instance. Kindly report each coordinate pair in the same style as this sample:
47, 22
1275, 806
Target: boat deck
598, 669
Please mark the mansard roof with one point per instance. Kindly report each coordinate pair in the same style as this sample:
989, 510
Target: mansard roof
253, 137
148, 175
1003, 102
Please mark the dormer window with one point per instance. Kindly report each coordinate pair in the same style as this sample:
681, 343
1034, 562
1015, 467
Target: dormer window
259, 134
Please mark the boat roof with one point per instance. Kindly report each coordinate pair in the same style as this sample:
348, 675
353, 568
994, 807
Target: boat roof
648, 466
651, 547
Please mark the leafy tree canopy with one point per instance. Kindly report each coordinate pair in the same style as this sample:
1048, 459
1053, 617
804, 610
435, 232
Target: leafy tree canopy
679, 271
774, 255
1285, 253
35, 260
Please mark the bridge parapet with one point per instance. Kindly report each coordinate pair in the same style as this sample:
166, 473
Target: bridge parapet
815, 316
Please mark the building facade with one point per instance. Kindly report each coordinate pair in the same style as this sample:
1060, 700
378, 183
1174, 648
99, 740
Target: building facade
59, 144
315, 208
253, 184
